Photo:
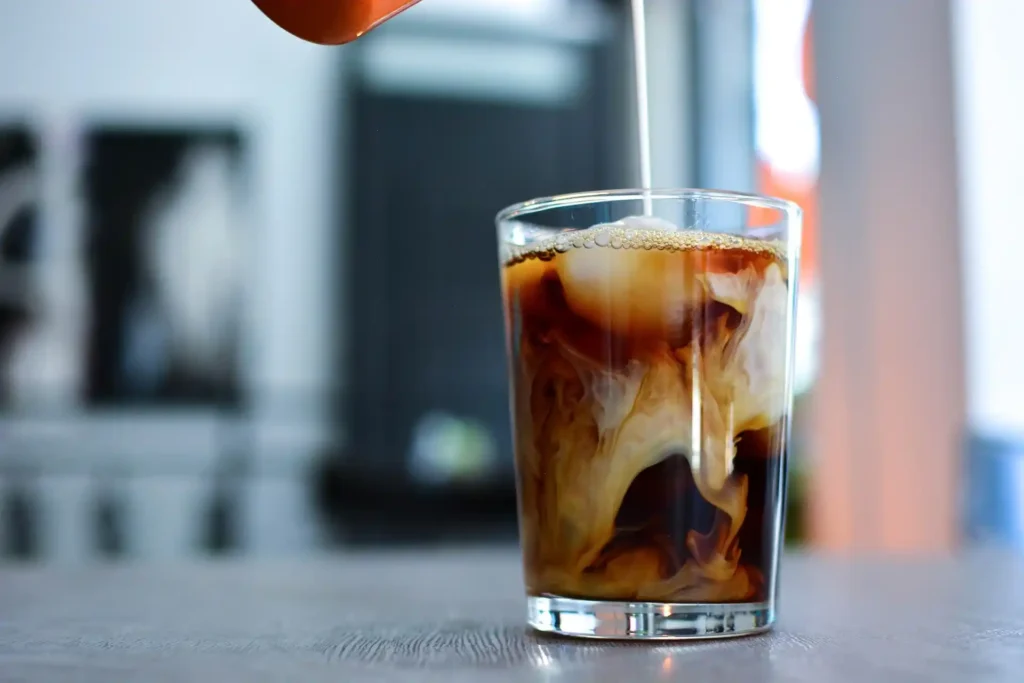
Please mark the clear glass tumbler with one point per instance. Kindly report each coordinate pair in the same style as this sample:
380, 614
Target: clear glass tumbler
650, 342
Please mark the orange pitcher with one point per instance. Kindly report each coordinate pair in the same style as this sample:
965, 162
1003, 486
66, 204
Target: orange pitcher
331, 22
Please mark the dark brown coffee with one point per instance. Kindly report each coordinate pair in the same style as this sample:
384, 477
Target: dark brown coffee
649, 371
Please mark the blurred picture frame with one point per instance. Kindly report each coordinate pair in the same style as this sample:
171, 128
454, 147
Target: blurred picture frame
20, 191
163, 209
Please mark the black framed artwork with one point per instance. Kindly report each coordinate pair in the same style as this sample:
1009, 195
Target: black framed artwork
19, 225
165, 232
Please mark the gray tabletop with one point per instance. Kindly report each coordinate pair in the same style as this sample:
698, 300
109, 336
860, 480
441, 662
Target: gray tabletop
457, 617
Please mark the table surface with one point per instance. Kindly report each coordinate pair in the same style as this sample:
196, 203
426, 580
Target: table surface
457, 617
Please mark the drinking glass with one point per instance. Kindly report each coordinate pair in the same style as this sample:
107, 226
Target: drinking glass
650, 346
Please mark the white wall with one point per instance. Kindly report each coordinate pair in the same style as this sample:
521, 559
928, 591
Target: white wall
990, 84
65, 63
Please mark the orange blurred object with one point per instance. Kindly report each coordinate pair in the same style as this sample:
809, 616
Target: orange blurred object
331, 22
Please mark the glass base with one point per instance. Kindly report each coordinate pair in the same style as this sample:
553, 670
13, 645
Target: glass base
647, 620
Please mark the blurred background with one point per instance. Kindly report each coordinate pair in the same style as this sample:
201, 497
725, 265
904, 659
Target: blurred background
248, 290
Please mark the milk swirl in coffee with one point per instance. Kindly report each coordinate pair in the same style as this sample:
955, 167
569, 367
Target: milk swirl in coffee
649, 368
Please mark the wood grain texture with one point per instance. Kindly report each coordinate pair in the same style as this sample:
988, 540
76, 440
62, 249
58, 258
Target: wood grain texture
459, 617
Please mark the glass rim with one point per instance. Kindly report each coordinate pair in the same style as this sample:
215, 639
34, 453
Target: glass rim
563, 201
